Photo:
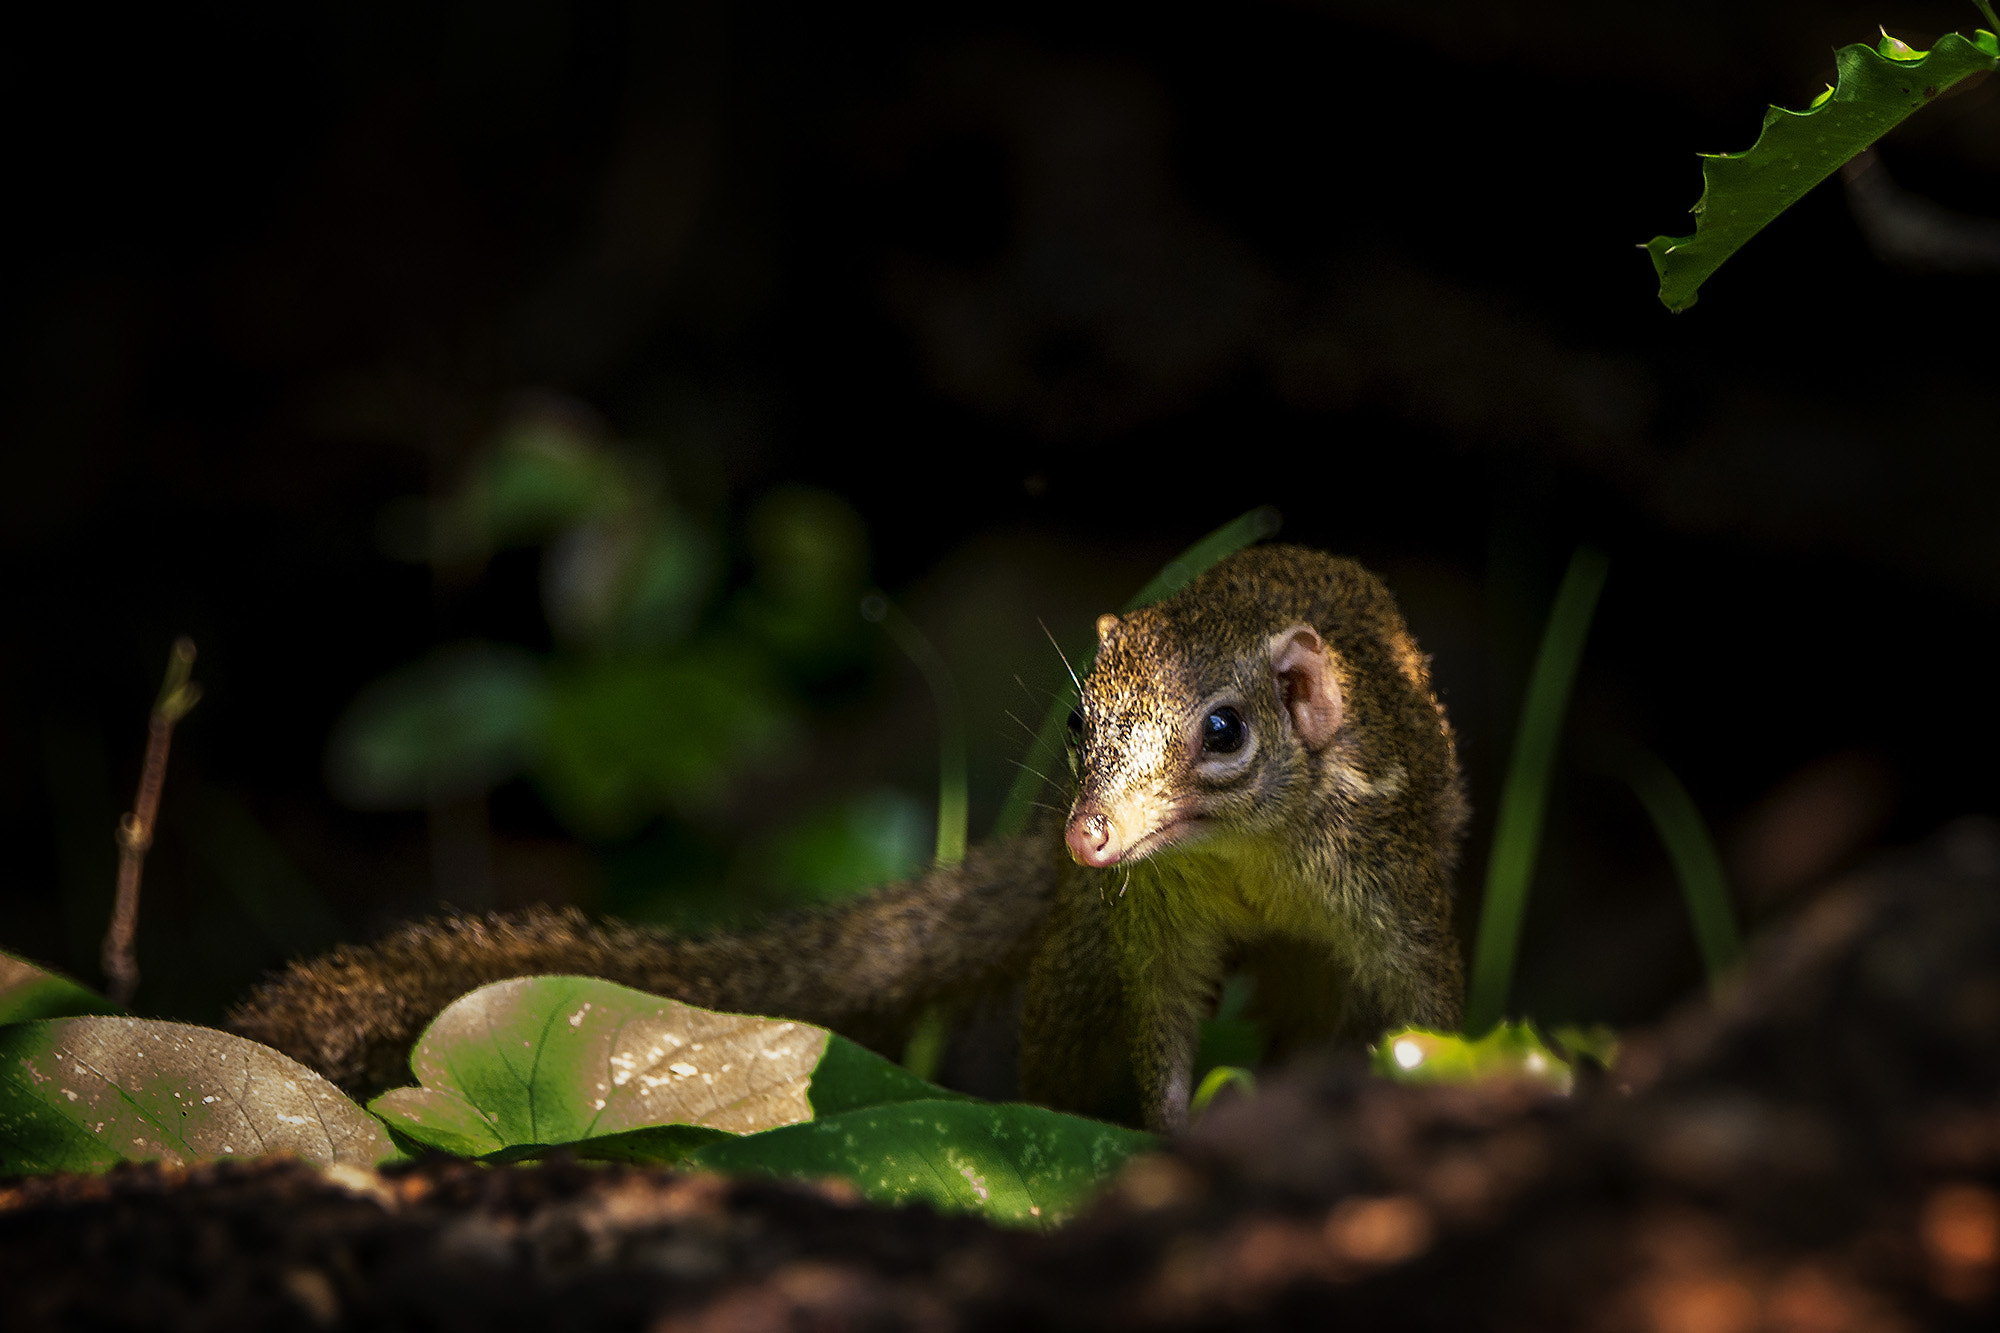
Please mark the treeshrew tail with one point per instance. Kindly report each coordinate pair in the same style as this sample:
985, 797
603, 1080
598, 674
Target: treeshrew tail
864, 968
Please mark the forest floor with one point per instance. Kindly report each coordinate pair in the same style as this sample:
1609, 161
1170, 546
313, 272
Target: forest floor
1817, 1151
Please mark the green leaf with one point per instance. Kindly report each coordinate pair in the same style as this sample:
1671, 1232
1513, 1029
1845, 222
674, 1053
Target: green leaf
29, 992
521, 1066
1012, 1164
1742, 192
655, 1145
850, 1077
82, 1094
1510, 1050
455, 724
539, 1061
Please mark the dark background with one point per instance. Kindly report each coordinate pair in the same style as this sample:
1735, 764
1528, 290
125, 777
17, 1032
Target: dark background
1044, 294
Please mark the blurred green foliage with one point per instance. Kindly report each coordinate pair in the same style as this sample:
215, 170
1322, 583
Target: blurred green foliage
453, 724
809, 552
877, 837
630, 736
683, 658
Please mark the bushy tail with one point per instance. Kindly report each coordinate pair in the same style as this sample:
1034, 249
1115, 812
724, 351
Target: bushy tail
864, 968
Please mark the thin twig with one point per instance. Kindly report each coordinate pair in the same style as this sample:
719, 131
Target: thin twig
135, 831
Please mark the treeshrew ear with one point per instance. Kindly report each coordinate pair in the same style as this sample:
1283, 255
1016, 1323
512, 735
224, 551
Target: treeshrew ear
1306, 684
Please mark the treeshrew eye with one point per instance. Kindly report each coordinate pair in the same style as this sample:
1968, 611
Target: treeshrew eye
1076, 726
1223, 732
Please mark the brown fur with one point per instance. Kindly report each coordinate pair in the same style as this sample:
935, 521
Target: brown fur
1324, 871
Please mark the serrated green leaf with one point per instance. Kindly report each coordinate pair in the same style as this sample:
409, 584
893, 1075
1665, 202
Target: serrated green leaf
518, 1067
1743, 192
83, 1094
1013, 1164
1510, 1050
1894, 48
30, 992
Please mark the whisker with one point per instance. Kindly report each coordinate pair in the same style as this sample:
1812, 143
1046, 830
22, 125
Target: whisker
1057, 786
1064, 656
1041, 696
1018, 722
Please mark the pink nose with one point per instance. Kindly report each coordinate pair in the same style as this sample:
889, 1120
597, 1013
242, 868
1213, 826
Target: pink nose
1091, 840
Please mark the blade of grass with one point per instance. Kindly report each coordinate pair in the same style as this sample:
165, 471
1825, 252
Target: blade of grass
1183, 569
1517, 833
1696, 863
952, 806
